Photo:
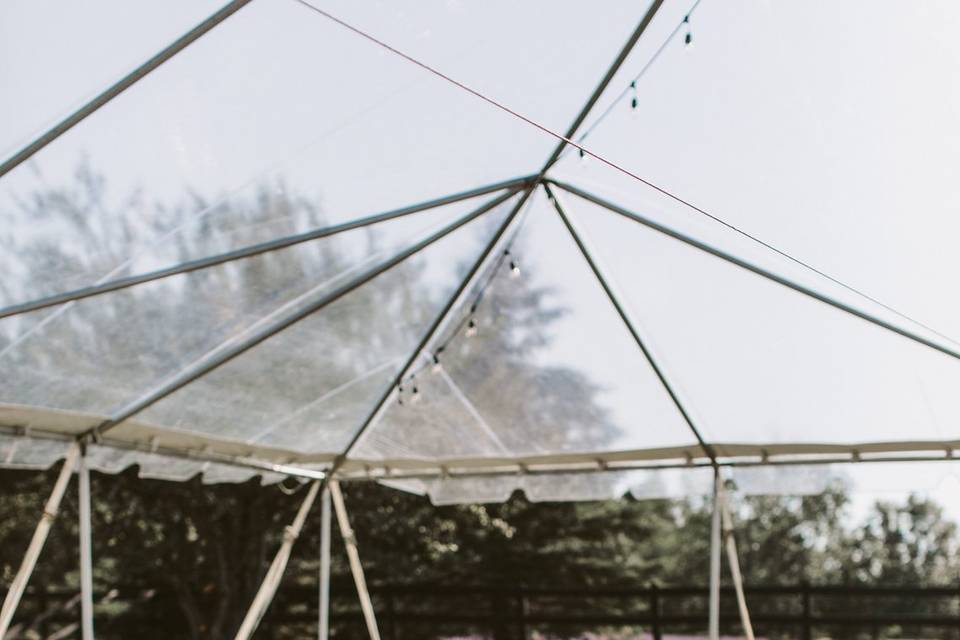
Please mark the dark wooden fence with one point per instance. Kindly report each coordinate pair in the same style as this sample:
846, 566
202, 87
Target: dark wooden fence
421, 612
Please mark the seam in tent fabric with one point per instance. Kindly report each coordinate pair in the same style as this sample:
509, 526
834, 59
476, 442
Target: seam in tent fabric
568, 141
323, 398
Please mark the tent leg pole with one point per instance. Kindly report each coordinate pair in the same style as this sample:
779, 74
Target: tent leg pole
86, 550
39, 538
734, 563
324, 604
272, 580
353, 555
714, 625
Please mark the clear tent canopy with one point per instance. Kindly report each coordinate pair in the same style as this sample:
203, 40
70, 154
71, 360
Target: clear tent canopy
366, 237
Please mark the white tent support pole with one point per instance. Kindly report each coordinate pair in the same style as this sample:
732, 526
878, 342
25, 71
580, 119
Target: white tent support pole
350, 541
323, 608
19, 583
272, 580
86, 550
715, 535
734, 562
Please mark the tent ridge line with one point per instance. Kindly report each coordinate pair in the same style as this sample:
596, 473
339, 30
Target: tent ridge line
121, 85
755, 269
628, 323
214, 361
750, 456
253, 249
206, 454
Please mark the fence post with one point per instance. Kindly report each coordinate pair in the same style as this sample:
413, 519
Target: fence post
522, 614
655, 611
807, 622
391, 614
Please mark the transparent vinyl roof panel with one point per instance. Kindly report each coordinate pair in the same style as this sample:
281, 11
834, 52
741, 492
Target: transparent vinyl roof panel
535, 362
757, 362
56, 56
840, 153
100, 353
659, 484
310, 387
262, 105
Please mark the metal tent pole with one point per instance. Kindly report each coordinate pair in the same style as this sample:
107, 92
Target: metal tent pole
272, 580
350, 541
39, 538
714, 623
604, 82
756, 269
121, 85
734, 562
86, 550
324, 604
252, 250
628, 322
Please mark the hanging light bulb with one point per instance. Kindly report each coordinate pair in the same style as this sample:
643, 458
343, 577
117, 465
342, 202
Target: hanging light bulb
514, 265
436, 367
687, 39
400, 394
414, 395
634, 102
471, 328
583, 156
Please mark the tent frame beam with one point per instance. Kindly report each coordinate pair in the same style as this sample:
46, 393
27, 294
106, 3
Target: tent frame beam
50, 509
120, 86
627, 321
856, 454
757, 269
221, 356
254, 249
602, 86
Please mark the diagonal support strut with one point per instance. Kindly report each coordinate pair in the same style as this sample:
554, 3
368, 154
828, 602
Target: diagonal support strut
631, 327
